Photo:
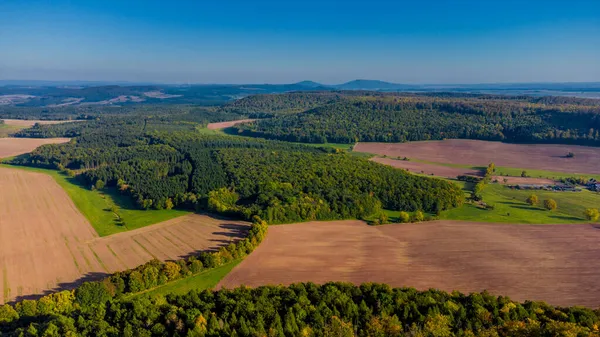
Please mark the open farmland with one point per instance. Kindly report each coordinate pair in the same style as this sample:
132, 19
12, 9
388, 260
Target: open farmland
481, 153
31, 122
556, 263
223, 125
428, 169
15, 146
46, 244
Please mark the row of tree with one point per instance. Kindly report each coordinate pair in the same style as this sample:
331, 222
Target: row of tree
304, 309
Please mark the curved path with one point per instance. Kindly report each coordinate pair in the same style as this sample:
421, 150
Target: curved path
555, 263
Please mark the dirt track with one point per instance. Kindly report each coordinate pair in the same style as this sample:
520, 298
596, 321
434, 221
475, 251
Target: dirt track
223, 125
46, 244
429, 169
15, 146
554, 263
481, 153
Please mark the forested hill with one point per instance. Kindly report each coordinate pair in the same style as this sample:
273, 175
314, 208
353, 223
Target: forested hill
162, 164
409, 117
266, 105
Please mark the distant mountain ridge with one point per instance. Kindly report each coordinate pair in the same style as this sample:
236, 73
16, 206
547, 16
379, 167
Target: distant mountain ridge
76, 93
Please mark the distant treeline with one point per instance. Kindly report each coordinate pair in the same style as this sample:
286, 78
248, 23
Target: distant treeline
175, 112
405, 117
162, 164
304, 309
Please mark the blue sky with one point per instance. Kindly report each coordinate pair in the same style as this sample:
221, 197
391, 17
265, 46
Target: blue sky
227, 41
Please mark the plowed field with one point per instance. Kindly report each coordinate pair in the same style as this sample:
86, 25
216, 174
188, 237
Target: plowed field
554, 263
46, 244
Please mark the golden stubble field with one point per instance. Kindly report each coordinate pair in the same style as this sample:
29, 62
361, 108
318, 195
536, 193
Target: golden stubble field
554, 263
46, 244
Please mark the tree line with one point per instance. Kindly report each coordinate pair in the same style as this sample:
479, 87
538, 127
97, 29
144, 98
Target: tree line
305, 309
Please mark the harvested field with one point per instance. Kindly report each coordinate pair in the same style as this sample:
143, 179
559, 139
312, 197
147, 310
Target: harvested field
223, 125
47, 245
429, 169
15, 146
481, 153
523, 181
31, 122
555, 263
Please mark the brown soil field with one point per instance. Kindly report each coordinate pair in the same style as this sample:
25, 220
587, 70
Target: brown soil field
428, 169
523, 181
481, 153
27, 122
31, 122
15, 146
47, 245
223, 125
553, 263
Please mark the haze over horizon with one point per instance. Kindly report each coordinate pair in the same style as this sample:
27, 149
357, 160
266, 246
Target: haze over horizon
329, 42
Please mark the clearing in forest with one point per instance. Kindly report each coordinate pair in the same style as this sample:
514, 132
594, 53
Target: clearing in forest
480, 153
555, 263
223, 125
46, 244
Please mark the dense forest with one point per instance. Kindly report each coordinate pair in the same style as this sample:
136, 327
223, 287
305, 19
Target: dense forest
404, 117
163, 164
304, 309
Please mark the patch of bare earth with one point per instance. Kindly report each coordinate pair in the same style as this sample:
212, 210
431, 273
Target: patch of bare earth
553, 263
46, 244
32, 122
15, 146
428, 169
481, 153
223, 125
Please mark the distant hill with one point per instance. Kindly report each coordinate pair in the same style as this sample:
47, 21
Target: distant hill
82, 93
373, 85
309, 84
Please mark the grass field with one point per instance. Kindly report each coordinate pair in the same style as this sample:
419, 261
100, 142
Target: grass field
6, 130
510, 207
96, 205
201, 281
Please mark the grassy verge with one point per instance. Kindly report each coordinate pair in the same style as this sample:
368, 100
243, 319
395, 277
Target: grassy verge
204, 280
516, 172
510, 206
96, 205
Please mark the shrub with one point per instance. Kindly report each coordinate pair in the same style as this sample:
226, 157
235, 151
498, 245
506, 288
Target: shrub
532, 200
550, 204
592, 214
404, 217
418, 216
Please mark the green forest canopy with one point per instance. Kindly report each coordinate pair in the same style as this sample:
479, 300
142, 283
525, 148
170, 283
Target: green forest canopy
400, 118
162, 164
304, 309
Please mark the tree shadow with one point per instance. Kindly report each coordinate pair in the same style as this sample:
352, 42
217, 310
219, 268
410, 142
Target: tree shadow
89, 277
529, 208
565, 217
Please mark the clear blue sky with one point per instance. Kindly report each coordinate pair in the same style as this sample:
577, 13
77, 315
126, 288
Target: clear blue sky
245, 41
